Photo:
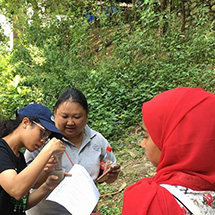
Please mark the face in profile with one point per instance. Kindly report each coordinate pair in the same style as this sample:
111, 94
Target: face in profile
70, 119
35, 134
152, 152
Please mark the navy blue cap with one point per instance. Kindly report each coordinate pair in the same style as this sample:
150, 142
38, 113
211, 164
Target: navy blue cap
42, 113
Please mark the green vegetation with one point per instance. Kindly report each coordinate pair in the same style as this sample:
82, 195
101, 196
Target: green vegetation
119, 60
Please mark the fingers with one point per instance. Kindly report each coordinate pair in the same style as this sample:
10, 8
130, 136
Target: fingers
52, 182
61, 145
50, 164
113, 174
53, 178
51, 161
115, 168
56, 145
67, 174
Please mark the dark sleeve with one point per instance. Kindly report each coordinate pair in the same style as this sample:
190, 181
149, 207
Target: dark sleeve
6, 162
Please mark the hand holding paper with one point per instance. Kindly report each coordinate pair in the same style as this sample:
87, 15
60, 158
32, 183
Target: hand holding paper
78, 193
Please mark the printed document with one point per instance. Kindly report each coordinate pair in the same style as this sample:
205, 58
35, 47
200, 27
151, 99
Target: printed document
77, 193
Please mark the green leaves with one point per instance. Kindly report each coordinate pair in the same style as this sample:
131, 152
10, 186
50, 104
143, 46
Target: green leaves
119, 59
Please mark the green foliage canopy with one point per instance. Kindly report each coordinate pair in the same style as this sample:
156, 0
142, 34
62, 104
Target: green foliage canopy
56, 46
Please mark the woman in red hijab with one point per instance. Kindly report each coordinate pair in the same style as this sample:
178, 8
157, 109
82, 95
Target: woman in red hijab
179, 139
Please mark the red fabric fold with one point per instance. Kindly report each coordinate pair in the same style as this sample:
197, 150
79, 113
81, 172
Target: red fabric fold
146, 197
181, 122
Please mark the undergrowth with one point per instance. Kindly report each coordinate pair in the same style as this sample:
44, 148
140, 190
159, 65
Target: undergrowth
118, 60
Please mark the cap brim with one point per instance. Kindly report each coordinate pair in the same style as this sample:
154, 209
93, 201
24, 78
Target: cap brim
49, 126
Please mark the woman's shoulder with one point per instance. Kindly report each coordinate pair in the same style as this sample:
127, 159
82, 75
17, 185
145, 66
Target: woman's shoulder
4, 147
92, 133
2, 143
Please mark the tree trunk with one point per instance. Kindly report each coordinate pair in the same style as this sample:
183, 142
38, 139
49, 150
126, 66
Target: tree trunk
163, 8
183, 16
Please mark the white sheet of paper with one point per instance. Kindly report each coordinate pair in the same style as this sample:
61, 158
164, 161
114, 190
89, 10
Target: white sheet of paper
77, 193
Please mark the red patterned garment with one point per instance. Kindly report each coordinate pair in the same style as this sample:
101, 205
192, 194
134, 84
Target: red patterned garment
181, 122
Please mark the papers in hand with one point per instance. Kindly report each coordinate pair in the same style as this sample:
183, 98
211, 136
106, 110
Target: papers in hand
77, 193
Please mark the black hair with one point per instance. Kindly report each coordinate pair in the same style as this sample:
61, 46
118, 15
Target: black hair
73, 95
7, 126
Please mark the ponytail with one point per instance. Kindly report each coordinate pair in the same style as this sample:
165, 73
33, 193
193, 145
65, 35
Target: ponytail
8, 126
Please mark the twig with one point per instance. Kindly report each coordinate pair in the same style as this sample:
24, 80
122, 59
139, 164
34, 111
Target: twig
114, 193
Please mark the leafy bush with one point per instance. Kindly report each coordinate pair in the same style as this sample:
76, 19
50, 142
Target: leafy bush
55, 52
118, 59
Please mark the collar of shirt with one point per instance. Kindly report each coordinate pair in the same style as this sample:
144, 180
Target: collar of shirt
89, 134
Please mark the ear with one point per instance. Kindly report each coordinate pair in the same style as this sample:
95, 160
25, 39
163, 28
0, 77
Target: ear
55, 110
26, 122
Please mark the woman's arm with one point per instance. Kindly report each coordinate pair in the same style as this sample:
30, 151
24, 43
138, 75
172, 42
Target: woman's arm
45, 173
40, 193
35, 197
17, 185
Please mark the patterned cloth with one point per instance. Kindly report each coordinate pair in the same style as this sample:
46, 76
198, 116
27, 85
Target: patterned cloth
205, 200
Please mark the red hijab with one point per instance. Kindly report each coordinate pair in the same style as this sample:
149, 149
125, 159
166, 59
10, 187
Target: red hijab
181, 123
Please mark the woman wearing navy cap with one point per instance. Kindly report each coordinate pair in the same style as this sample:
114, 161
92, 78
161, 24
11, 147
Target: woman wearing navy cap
84, 146
32, 126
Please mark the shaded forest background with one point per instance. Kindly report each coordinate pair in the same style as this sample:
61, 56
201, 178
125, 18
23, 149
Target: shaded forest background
119, 54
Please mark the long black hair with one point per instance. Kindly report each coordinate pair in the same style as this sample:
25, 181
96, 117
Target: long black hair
7, 126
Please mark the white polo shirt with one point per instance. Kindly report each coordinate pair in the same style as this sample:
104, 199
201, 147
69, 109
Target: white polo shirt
89, 155
92, 150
